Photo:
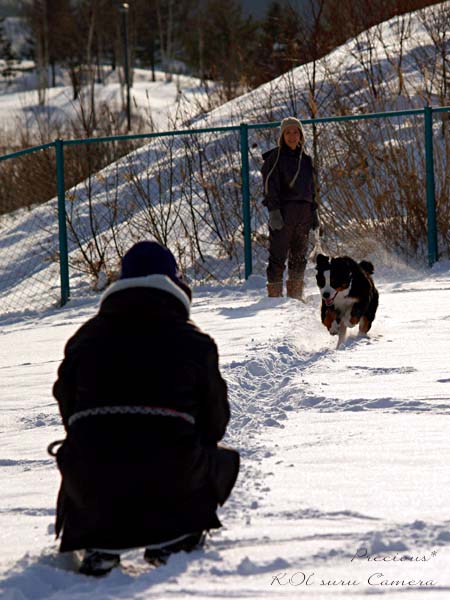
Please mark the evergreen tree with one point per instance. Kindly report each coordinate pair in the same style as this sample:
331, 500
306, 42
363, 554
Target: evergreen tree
220, 44
278, 42
146, 34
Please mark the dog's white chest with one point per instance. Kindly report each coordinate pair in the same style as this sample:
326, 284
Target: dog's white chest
343, 303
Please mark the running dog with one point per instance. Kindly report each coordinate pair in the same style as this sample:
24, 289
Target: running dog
349, 295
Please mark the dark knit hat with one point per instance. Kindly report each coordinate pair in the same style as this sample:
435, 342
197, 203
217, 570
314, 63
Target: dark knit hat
149, 265
149, 258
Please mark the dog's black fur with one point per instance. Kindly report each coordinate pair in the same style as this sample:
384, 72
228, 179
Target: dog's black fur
349, 295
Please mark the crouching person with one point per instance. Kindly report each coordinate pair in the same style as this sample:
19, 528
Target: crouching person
144, 406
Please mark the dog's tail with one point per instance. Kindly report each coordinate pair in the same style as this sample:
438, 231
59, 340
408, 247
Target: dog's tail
367, 266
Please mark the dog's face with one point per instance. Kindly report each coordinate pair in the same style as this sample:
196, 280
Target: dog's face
334, 278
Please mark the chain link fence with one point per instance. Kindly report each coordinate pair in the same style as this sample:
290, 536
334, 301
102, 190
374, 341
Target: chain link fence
29, 260
183, 191
200, 193
373, 185
441, 154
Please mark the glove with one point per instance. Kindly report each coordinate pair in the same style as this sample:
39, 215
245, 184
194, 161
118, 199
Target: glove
276, 220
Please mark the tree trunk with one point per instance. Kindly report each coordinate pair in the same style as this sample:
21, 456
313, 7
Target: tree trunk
42, 52
91, 69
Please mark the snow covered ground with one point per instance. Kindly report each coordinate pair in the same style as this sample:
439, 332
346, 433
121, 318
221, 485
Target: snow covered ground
345, 453
29, 240
345, 474
155, 101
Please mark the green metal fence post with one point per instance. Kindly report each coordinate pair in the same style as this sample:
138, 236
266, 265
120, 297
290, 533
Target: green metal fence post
246, 200
63, 251
431, 198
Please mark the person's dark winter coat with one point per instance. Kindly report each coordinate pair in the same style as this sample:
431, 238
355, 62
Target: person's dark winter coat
144, 405
288, 178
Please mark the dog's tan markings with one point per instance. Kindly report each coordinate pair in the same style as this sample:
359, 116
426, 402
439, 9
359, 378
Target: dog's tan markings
354, 320
330, 316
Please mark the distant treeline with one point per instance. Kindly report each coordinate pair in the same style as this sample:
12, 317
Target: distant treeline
211, 39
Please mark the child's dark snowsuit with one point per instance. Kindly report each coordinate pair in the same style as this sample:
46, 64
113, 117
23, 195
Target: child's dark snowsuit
297, 206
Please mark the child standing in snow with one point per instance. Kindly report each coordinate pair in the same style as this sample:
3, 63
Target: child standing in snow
288, 176
144, 405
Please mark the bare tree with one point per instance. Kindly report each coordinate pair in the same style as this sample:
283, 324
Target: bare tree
436, 21
39, 17
165, 14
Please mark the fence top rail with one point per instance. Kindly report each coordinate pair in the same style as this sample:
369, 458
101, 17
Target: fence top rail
441, 109
399, 113
272, 124
27, 151
155, 134
361, 117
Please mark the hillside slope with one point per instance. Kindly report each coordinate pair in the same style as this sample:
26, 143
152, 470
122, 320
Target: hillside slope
186, 192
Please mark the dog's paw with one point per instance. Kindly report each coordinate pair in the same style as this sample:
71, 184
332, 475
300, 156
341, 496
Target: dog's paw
334, 328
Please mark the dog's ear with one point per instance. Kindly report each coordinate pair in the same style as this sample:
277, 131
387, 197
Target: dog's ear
367, 266
322, 262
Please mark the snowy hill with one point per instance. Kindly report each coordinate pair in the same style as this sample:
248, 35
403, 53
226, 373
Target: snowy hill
186, 191
156, 102
345, 482
360, 76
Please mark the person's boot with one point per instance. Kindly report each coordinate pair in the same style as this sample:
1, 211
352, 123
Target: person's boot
295, 288
97, 563
275, 289
158, 554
